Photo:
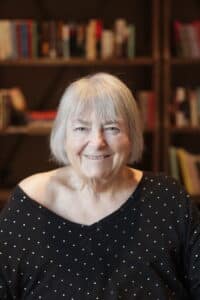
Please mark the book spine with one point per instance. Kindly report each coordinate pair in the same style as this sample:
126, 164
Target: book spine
13, 39
24, 39
182, 110
4, 109
174, 167
66, 40
107, 44
131, 41
194, 122
142, 98
73, 39
35, 40
44, 33
80, 40
182, 156
52, 40
121, 34
91, 51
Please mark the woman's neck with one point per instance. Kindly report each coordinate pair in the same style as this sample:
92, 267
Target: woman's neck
125, 177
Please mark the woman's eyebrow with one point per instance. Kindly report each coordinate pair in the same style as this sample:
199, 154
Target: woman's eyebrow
84, 122
81, 121
110, 122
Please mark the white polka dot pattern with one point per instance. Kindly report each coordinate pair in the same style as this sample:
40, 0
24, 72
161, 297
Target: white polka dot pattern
147, 249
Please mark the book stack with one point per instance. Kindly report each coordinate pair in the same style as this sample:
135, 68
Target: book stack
40, 119
52, 39
14, 111
5, 109
185, 109
185, 167
187, 38
12, 107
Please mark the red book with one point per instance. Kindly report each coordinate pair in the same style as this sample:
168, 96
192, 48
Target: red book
47, 115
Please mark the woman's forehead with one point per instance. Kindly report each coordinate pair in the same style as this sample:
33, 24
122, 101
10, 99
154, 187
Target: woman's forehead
88, 118
99, 112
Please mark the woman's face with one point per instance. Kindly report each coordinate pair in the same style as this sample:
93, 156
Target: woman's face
96, 149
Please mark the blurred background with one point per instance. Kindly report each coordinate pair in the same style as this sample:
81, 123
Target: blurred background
152, 45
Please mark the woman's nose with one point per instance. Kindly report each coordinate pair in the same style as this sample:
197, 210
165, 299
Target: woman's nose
98, 139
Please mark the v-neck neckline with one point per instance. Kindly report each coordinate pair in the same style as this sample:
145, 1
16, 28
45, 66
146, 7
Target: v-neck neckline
56, 217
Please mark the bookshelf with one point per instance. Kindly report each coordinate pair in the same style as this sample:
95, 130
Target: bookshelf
178, 71
138, 61
25, 151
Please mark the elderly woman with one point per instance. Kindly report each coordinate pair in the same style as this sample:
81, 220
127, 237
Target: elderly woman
96, 228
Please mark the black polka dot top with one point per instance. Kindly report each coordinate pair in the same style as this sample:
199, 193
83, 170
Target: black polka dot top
148, 249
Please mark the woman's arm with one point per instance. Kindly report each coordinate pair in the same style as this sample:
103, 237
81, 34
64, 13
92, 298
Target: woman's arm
192, 252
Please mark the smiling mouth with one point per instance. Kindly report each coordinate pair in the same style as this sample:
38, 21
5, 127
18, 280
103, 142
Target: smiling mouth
97, 157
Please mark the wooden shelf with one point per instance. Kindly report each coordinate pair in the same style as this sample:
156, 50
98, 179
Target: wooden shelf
185, 61
77, 62
185, 130
28, 130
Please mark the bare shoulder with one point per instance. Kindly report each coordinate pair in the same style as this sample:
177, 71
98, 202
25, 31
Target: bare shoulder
38, 185
136, 174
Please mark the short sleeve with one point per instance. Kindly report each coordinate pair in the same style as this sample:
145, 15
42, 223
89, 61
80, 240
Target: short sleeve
192, 251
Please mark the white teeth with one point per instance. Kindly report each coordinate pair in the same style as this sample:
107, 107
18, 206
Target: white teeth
96, 157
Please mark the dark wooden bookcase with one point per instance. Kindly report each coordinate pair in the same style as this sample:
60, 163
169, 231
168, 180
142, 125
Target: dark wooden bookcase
43, 80
177, 71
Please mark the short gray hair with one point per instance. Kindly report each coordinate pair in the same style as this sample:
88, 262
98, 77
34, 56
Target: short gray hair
111, 98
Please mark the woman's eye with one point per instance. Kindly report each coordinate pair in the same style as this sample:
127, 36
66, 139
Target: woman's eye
81, 128
113, 129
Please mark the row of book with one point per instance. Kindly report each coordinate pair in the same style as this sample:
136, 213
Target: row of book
32, 39
185, 108
187, 38
185, 167
14, 111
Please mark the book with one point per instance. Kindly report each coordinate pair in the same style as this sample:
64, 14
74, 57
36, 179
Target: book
173, 163
189, 171
177, 38
107, 44
146, 101
80, 40
90, 47
131, 41
183, 161
44, 42
5, 109
121, 37
44, 115
193, 42
182, 108
193, 106
18, 99
65, 41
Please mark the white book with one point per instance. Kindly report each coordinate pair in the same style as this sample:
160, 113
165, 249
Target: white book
107, 44
91, 51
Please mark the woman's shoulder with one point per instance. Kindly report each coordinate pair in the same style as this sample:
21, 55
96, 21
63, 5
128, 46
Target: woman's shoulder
38, 185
